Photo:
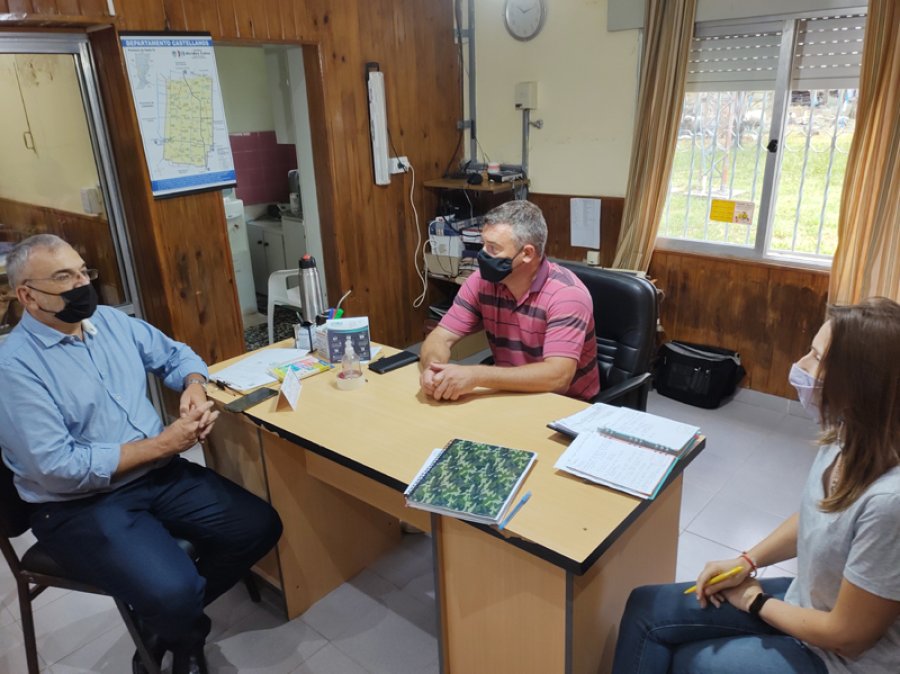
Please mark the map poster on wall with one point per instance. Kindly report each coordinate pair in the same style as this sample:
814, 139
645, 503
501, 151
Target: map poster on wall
175, 86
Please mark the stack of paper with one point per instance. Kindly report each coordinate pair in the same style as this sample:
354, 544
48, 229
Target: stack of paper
624, 449
254, 369
470, 480
631, 425
633, 469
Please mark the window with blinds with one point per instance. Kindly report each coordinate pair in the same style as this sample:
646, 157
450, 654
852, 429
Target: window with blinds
768, 117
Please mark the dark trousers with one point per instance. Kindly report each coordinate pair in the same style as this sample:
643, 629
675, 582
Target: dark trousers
122, 542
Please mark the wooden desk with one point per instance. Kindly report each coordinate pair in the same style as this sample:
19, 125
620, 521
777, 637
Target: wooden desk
546, 599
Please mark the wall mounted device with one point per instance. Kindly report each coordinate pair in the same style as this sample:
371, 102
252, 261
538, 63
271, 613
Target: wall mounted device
526, 95
378, 124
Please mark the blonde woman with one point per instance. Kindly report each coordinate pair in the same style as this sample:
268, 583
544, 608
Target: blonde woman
842, 611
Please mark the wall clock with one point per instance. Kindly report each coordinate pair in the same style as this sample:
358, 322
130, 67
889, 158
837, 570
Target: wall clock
524, 19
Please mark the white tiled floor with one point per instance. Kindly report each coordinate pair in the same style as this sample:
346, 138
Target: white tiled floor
383, 622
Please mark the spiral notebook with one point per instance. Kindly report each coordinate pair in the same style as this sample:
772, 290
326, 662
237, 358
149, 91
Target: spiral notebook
630, 425
470, 480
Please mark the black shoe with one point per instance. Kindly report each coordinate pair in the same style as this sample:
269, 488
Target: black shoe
157, 650
190, 662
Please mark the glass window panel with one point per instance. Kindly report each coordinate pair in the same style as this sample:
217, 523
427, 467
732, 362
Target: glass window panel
49, 179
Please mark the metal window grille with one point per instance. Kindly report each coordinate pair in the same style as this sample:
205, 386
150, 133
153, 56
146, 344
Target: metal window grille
788, 79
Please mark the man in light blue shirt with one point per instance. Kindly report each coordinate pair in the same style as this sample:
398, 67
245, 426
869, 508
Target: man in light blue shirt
87, 447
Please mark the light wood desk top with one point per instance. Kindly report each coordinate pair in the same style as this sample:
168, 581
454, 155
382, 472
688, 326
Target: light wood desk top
387, 429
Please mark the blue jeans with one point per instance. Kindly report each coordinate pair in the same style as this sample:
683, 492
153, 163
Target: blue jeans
663, 630
121, 541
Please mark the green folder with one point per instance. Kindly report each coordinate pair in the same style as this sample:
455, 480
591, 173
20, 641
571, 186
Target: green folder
470, 480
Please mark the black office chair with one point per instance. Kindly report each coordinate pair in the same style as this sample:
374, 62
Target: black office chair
625, 316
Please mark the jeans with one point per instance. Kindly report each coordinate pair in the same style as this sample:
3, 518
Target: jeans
122, 542
663, 630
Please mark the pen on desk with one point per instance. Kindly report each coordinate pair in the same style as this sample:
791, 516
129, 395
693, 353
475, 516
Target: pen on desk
518, 506
718, 579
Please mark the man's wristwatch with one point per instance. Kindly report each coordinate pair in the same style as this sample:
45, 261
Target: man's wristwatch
757, 603
195, 380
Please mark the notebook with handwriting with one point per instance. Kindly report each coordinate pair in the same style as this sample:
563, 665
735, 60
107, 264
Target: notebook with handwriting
470, 480
630, 425
624, 466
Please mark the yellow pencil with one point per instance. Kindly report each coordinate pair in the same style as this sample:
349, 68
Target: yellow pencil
718, 579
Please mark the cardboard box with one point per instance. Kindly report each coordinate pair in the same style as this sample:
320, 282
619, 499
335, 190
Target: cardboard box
331, 337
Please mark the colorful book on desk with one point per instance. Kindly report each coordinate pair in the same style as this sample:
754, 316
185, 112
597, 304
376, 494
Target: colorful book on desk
304, 367
470, 480
630, 425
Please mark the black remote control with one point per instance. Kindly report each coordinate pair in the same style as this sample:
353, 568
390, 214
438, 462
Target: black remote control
384, 365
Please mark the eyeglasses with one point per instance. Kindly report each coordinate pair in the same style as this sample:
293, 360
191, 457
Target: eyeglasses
62, 277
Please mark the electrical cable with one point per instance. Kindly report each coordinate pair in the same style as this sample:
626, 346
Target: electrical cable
421, 273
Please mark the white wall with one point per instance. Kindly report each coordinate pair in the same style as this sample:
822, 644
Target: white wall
245, 89
587, 88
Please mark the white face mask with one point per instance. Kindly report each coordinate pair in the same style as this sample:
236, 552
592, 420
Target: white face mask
808, 390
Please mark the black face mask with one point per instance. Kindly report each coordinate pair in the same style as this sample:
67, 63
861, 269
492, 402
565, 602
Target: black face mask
495, 269
81, 303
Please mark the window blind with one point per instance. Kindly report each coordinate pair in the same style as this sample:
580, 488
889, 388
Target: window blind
828, 52
736, 57
744, 56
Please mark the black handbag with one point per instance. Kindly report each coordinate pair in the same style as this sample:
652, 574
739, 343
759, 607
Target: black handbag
696, 374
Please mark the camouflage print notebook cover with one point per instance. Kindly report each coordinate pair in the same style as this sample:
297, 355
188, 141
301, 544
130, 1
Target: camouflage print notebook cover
470, 480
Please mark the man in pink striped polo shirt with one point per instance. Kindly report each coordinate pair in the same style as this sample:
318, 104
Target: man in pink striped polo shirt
538, 317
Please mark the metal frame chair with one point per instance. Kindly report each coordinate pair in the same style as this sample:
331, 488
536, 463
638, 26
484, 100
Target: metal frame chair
35, 571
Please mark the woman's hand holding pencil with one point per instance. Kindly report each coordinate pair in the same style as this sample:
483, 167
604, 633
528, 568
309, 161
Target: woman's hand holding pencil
717, 576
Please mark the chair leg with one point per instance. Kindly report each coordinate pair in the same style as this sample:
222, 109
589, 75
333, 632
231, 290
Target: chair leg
31, 655
128, 616
271, 318
252, 587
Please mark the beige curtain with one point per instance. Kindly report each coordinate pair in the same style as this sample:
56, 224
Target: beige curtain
669, 28
867, 260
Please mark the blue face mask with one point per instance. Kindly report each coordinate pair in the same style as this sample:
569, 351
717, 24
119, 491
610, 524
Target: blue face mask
809, 390
495, 269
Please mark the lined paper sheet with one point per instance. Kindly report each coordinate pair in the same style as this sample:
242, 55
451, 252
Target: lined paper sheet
629, 424
614, 463
253, 370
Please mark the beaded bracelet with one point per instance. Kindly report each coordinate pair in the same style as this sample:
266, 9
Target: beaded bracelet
749, 560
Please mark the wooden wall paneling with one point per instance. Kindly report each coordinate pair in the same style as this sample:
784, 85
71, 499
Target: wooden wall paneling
20, 7
177, 14
556, 209
134, 180
361, 224
143, 15
797, 302
46, 7
68, 7
422, 114
768, 313
97, 8
323, 161
199, 275
180, 244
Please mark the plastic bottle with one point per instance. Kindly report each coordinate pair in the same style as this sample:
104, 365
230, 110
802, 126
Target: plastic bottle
351, 371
